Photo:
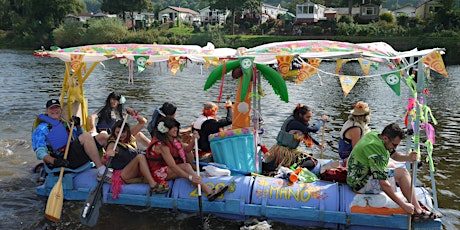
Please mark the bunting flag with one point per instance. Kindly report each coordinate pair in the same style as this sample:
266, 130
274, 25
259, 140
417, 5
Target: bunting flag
340, 62
124, 61
393, 80
375, 65
435, 62
75, 61
182, 62
307, 70
140, 62
348, 82
365, 65
174, 64
284, 64
211, 61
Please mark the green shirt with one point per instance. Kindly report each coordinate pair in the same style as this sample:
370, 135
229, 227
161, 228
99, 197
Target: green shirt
368, 158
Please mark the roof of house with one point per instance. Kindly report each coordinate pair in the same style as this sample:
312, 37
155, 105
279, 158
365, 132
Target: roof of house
181, 10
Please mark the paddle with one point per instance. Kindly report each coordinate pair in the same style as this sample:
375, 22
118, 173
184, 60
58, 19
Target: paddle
55, 199
200, 199
90, 212
322, 139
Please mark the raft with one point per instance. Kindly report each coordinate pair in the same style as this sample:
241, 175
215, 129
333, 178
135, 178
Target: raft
322, 203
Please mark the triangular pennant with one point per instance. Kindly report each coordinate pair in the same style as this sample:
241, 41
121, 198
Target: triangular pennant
348, 82
284, 64
307, 70
365, 65
435, 62
174, 64
211, 61
182, 62
140, 62
340, 62
75, 61
393, 80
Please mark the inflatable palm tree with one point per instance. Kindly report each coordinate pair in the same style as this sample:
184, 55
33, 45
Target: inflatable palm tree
241, 115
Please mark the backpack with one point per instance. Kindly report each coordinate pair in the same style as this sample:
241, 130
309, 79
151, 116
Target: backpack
338, 174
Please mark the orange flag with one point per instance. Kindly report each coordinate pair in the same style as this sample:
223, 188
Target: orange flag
211, 61
340, 62
75, 61
435, 62
348, 82
307, 70
365, 65
284, 64
174, 64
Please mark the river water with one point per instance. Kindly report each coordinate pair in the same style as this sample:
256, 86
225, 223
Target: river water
27, 82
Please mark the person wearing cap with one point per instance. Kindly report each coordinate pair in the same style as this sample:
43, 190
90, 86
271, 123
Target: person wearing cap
49, 140
295, 129
368, 171
353, 129
207, 123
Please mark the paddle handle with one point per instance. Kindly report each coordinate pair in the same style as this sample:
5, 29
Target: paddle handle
322, 139
197, 164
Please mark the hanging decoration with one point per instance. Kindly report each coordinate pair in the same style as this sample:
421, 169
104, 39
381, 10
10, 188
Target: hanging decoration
174, 64
348, 82
393, 80
365, 65
307, 70
435, 62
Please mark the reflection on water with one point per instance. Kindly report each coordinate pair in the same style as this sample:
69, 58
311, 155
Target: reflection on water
27, 82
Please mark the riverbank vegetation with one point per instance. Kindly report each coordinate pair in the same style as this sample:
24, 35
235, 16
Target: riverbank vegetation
24, 30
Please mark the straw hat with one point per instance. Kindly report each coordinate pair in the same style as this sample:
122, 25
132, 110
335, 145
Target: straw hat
360, 108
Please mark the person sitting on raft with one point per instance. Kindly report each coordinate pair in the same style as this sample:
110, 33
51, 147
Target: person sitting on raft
127, 147
295, 129
168, 109
165, 159
353, 129
49, 141
207, 124
111, 112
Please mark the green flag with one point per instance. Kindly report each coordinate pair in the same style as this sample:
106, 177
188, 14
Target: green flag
393, 80
140, 61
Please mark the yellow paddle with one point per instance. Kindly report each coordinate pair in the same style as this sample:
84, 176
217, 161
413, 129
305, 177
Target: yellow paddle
55, 199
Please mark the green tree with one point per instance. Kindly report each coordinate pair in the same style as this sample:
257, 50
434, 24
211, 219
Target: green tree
126, 6
234, 6
35, 19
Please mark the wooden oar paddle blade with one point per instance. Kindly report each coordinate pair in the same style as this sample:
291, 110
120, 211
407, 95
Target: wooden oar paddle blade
54, 205
90, 212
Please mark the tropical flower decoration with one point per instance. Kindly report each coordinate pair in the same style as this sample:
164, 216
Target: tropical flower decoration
162, 128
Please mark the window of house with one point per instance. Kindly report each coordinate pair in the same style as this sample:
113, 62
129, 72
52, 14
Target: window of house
368, 11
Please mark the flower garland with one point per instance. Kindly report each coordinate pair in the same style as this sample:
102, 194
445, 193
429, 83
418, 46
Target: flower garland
178, 146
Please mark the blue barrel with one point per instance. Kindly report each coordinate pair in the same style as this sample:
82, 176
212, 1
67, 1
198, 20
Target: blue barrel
235, 149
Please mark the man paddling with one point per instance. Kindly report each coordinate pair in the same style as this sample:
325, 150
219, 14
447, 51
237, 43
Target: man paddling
50, 136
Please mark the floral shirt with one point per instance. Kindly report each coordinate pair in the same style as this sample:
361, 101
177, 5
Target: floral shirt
368, 158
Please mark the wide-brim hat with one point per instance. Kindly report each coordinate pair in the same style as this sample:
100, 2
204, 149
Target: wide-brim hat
360, 108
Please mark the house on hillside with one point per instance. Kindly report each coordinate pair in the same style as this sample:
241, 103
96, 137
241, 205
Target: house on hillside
273, 11
427, 9
208, 16
309, 12
172, 13
405, 10
369, 12
78, 18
